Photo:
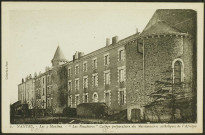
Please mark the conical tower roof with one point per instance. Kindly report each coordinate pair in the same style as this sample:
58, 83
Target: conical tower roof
160, 27
58, 56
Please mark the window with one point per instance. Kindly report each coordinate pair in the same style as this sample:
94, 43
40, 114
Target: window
48, 79
121, 54
140, 46
178, 71
121, 75
70, 101
106, 59
85, 66
95, 80
95, 97
43, 103
69, 71
95, 63
122, 98
69, 85
43, 91
48, 103
85, 98
76, 84
107, 98
51, 90
85, 82
43, 80
77, 100
76, 69
107, 77
48, 91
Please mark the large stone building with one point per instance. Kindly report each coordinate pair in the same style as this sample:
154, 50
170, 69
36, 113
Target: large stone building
123, 73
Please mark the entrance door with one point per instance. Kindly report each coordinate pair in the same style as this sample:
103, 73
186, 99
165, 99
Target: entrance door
135, 115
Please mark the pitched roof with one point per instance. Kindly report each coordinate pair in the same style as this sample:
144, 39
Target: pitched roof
160, 27
59, 55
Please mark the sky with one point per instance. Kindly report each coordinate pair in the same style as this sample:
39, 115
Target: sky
35, 33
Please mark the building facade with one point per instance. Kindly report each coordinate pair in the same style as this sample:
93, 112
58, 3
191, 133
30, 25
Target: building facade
99, 76
26, 91
123, 73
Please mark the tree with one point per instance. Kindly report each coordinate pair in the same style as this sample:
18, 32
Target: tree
169, 96
59, 83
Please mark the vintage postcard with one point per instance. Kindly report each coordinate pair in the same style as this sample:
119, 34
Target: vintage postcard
102, 67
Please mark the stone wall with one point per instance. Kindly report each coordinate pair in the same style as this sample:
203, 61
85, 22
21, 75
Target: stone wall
134, 75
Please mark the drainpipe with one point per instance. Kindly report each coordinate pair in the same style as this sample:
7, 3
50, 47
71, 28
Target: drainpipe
143, 69
142, 111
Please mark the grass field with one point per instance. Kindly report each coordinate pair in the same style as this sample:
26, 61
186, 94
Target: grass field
62, 120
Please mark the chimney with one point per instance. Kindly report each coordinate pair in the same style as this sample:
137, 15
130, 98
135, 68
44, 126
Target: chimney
80, 54
73, 57
107, 41
76, 55
35, 74
137, 30
114, 39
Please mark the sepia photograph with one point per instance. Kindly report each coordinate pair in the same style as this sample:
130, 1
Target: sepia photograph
102, 67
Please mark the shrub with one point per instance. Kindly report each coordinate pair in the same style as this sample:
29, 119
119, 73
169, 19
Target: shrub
70, 112
92, 110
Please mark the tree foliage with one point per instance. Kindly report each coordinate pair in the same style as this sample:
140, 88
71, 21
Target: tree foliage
168, 97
